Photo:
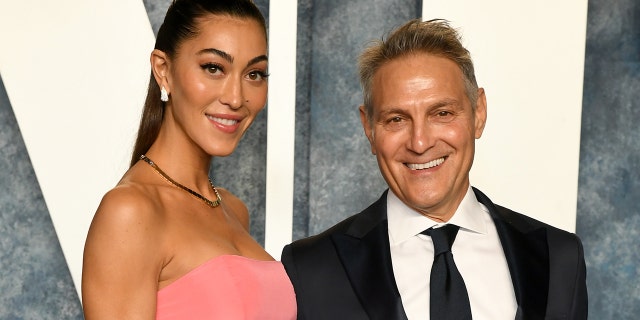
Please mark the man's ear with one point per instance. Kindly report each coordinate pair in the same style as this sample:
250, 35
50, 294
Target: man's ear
160, 69
367, 126
480, 113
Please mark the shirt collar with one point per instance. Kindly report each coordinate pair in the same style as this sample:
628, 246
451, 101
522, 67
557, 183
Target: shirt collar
405, 222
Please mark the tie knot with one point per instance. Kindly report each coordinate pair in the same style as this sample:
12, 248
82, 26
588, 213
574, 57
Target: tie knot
442, 237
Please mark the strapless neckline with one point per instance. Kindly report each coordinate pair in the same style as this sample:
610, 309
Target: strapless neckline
211, 261
229, 287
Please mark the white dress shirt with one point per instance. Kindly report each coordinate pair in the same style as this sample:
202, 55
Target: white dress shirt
477, 253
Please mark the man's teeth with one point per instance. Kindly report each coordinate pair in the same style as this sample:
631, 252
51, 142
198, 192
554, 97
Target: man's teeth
226, 122
430, 164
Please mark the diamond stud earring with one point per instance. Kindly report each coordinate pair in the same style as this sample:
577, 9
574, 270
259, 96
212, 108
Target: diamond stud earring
164, 96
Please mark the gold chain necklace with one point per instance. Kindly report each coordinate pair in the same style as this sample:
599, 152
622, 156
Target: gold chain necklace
210, 203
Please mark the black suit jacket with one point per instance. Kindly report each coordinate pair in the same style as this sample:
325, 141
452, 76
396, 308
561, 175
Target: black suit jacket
346, 272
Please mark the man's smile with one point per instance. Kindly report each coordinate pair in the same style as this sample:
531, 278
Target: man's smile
422, 166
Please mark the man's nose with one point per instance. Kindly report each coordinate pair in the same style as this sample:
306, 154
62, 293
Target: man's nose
421, 138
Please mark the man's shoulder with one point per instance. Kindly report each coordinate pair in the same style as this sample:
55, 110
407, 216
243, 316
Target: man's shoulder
518, 220
526, 222
514, 217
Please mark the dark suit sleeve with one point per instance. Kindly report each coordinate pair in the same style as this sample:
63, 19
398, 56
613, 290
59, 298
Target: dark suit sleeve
289, 266
322, 287
567, 287
580, 304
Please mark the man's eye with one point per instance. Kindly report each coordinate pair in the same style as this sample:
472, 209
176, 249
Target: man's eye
395, 119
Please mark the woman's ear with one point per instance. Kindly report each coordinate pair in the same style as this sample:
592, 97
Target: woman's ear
160, 69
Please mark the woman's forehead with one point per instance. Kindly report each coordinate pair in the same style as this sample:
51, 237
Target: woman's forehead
241, 38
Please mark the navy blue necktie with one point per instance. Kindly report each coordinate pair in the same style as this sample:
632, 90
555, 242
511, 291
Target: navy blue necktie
449, 297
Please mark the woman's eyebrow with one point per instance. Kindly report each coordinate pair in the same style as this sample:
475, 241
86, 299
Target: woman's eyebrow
257, 59
229, 57
217, 52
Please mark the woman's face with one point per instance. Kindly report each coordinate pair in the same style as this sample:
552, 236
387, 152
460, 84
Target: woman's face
217, 83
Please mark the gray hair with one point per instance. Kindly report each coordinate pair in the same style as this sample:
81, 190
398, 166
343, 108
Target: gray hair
435, 37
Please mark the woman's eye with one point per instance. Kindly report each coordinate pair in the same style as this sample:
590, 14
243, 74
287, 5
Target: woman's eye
257, 75
212, 68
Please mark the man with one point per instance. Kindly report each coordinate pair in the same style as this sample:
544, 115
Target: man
422, 113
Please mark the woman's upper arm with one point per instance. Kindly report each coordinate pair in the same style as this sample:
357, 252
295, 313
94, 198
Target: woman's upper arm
122, 258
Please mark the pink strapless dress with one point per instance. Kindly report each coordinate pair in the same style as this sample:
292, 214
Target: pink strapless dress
229, 287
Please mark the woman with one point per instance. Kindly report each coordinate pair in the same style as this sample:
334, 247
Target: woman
165, 242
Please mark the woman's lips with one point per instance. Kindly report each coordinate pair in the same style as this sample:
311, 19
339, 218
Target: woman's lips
227, 124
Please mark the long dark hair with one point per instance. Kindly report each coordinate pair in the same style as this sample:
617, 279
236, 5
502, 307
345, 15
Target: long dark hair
180, 24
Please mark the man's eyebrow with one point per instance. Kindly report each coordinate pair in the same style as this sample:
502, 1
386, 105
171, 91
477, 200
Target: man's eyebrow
229, 57
391, 109
445, 102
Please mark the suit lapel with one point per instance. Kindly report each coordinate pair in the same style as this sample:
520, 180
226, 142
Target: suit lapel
527, 253
364, 252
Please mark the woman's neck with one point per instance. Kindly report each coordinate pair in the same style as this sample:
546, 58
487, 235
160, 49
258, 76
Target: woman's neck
183, 162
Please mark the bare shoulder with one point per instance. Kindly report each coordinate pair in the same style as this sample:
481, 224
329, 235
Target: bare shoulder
123, 254
128, 206
127, 220
235, 206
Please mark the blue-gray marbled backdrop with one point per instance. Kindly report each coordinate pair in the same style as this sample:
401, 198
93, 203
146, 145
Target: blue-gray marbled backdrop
609, 182
34, 278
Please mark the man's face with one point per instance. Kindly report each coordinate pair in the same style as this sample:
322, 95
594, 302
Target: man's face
423, 131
